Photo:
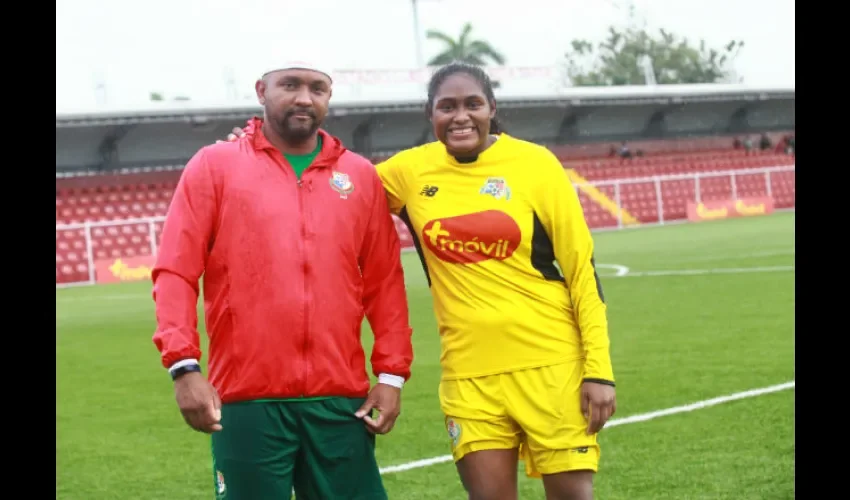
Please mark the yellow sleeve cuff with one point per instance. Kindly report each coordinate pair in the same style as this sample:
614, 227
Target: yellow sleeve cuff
597, 365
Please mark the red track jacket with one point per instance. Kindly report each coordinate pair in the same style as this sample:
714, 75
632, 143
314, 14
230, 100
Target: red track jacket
290, 268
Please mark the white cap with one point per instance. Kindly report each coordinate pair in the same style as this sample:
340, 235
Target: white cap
307, 64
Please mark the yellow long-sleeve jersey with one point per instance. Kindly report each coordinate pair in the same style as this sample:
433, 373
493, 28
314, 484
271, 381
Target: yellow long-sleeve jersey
508, 255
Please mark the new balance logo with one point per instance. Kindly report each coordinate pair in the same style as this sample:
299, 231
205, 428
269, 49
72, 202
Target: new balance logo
429, 191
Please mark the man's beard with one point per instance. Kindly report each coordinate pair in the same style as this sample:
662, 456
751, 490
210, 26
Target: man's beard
300, 132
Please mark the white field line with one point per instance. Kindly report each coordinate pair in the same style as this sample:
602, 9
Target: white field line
751, 255
642, 417
702, 272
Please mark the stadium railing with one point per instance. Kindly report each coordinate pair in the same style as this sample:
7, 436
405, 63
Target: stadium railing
659, 199
610, 204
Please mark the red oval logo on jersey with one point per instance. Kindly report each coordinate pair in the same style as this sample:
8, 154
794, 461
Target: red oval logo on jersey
471, 238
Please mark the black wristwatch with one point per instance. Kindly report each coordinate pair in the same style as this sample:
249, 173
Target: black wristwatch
184, 370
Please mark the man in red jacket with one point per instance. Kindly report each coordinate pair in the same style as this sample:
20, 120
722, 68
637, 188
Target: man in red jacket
293, 237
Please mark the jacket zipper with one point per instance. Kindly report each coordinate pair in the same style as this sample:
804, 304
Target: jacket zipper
305, 269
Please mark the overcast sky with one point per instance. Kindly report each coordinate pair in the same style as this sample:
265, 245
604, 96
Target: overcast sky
187, 47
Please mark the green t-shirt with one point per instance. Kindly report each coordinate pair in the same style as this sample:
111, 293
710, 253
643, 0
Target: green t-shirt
301, 162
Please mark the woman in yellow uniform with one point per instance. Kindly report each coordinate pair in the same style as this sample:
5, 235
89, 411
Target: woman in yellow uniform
526, 367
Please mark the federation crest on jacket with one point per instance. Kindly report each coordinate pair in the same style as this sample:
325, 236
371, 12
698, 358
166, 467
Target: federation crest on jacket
342, 184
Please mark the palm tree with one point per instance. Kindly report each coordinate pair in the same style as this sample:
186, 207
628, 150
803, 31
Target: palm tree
463, 49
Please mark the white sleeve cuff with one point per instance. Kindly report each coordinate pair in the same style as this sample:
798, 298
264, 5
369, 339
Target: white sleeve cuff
182, 363
393, 380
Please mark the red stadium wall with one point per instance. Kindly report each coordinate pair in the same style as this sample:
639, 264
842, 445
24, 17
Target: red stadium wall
105, 218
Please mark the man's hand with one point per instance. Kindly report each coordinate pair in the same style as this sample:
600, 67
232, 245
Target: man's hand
198, 402
233, 135
598, 403
387, 400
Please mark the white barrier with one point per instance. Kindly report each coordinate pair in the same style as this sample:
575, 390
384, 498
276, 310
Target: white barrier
616, 188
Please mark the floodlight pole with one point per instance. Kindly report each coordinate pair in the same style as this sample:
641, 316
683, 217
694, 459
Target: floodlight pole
420, 60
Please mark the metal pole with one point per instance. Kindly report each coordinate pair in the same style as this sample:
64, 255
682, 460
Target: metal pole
89, 252
420, 59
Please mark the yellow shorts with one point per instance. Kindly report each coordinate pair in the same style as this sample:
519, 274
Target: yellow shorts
536, 410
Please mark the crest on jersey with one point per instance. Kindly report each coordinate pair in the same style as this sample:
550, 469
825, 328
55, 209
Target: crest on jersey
497, 188
342, 184
454, 430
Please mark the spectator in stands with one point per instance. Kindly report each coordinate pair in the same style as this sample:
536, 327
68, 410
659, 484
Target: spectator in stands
764, 142
625, 152
295, 241
525, 349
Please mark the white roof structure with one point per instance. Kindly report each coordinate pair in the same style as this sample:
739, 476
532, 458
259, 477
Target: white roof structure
573, 96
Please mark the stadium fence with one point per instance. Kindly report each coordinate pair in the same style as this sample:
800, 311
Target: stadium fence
148, 228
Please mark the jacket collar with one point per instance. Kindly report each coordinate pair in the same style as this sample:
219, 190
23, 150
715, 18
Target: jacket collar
332, 147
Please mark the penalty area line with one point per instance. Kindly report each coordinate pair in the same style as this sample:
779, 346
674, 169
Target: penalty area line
703, 272
641, 417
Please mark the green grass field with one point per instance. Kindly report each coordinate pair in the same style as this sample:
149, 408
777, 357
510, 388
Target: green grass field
680, 334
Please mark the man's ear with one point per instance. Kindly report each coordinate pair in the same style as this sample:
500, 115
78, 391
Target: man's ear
260, 88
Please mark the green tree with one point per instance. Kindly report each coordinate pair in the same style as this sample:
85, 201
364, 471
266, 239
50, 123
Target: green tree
465, 49
621, 59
